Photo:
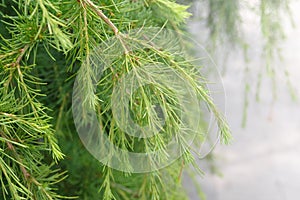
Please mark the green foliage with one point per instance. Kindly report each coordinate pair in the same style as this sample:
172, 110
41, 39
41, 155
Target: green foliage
45, 44
43, 47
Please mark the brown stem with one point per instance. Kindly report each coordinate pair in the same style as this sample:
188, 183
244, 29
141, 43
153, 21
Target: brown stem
16, 63
22, 53
181, 170
102, 16
11, 147
108, 22
26, 174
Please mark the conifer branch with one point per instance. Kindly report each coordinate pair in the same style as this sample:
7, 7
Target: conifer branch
28, 177
11, 147
23, 51
63, 28
102, 16
16, 63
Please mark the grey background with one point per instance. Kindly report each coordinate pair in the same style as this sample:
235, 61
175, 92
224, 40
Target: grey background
263, 161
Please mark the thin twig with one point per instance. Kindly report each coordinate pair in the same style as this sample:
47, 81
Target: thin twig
23, 51
108, 22
11, 147
102, 16
20, 57
26, 174
181, 170
17, 63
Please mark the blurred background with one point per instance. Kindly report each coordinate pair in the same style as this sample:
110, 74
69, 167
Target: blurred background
263, 160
